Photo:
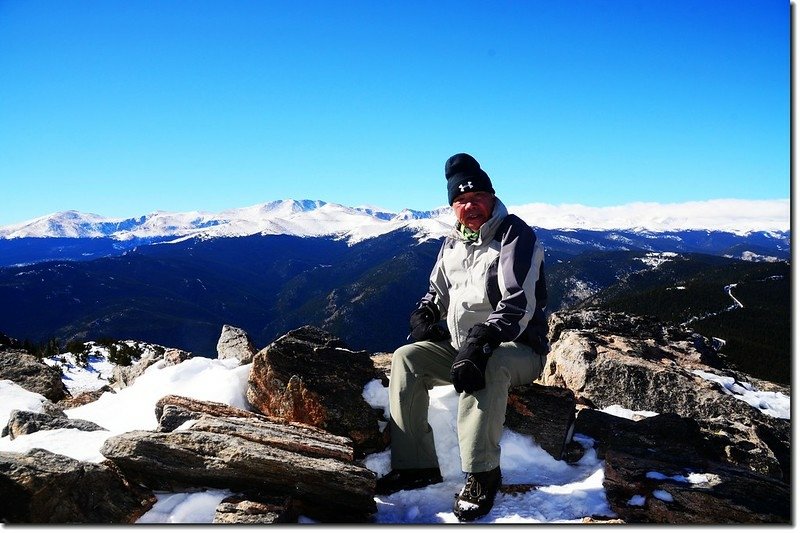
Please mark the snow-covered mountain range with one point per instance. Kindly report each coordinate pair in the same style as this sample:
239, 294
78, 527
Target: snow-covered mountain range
303, 218
313, 218
175, 278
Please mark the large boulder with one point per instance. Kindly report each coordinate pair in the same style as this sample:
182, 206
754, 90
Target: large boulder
640, 364
235, 343
40, 487
310, 376
174, 411
251, 454
637, 362
707, 456
545, 413
31, 374
665, 469
27, 422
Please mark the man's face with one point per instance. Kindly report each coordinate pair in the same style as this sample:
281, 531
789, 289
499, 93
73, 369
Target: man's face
473, 208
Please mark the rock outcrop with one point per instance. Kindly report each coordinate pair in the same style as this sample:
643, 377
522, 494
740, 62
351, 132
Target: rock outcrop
706, 458
545, 413
29, 373
250, 453
235, 343
665, 469
290, 436
310, 376
26, 422
637, 363
40, 487
611, 358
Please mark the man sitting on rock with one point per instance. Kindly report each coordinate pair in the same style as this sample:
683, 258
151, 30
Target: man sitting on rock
488, 282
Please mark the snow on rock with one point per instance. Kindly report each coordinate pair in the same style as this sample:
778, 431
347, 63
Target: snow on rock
184, 507
13, 397
565, 493
775, 404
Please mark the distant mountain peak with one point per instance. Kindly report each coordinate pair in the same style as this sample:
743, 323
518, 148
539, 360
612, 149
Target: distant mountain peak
319, 218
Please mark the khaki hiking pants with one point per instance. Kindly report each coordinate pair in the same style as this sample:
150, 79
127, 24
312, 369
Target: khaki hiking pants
418, 367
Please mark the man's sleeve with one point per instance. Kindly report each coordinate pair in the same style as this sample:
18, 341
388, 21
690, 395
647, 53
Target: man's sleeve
519, 269
438, 295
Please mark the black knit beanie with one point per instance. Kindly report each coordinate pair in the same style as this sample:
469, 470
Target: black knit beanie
464, 174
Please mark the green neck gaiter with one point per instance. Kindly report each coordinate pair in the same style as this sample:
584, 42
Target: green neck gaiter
469, 234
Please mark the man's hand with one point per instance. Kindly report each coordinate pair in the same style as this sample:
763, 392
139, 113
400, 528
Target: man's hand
425, 327
468, 372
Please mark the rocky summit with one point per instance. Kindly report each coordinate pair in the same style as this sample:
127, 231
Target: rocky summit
741, 455
694, 451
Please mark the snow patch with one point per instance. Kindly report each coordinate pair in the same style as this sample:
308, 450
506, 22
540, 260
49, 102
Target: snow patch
13, 397
774, 404
662, 495
637, 500
656, 259
618, 410
752, 256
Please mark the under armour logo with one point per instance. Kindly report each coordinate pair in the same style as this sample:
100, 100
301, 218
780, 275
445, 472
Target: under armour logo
466, 186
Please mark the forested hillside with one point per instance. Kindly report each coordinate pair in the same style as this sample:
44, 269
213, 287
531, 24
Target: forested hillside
692, 291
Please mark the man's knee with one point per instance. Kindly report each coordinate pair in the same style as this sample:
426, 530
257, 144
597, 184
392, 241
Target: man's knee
425, 359
514, 364
404, 356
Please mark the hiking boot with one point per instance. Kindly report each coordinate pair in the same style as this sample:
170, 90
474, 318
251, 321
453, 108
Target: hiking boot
477, 497
407, 478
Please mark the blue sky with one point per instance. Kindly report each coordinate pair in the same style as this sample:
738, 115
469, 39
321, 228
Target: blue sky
123, 108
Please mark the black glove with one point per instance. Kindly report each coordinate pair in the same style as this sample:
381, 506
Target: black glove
468, 372
425, 325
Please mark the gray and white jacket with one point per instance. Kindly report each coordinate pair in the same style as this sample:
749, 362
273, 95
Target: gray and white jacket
498, 279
